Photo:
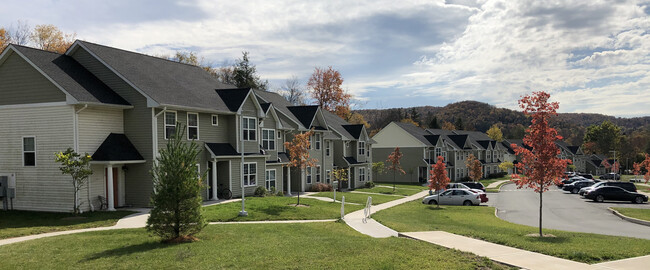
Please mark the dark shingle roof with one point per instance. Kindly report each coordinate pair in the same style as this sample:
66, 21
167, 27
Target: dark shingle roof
574, 149
71, 76
484, 144
354, 130
265, 107
166, 82
222, 149
433, 139
233, 98
280, 104
336, 123
305, 114
508, 147
352, 161
459, 140
416, 132
117, 147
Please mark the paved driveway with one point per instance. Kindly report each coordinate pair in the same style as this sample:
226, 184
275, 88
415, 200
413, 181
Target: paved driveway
565, 211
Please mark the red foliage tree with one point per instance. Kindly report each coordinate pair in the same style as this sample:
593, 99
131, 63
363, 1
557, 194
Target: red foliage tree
539, 167
474, 168
637, 169
393, 160
646, 163
327, 91
438, 175
616, 167
606, 164
298, 150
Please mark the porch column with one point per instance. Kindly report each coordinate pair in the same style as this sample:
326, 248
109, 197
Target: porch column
109, 188
214, 180
289, 181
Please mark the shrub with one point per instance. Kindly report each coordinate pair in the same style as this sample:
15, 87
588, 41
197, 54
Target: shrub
370, 184
260, 191
320, 187
280, 193
497, 175
272, 191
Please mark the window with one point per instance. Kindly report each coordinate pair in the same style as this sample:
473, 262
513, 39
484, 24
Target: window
308, 175
29, 151
192, 126
368, 152
318, 174
270, 179
250, 173
328, 148
170, 124
438, 152
249, 128
215, 120
268, 139
362, 148
362, 174
328, 176
317, 141
311, 142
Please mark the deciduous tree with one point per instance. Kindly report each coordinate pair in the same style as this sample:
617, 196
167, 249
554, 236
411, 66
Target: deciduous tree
495, 133
646, 164
48, 37
438, 178
326, 87
4, 39
340, 175
299, 157
357, 118
637, 169
474, 168
378, 168
539, 167
410, 121
78, 167
293, 91
394, 164
606, 136
448, 126
506, 166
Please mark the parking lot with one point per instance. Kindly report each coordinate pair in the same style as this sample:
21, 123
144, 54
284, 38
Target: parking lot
564, 211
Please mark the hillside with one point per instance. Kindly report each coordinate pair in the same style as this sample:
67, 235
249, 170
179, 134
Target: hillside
480, 116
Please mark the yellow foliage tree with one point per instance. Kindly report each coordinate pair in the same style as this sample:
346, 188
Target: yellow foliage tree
448, 126
495, 133
410, 121
4, 39
48, 37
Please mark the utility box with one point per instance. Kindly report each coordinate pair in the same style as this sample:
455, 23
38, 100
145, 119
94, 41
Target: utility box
4, 183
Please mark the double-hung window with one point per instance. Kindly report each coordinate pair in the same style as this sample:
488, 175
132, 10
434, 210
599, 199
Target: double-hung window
317, 142
268, 139
438, 152
308, 175
328, 175
317, 174
170, 124
328, 148
29, 151
362, 148
250, 173
270, 179
215, 120
192, 126
311, 142
362, 174
249, 128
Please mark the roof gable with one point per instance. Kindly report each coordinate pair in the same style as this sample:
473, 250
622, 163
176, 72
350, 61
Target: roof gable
233, 98
117, 147
394, 135
354, 130
305, 114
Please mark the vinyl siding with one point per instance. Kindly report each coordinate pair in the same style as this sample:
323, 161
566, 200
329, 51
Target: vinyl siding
250, 110
95, 124
411, 160
43, 187
22, 84
236, 176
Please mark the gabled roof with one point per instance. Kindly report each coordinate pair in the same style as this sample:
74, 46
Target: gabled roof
353, 161
354, 130
459, 140
222, 149
574, 149
234, 97
416, 132
508, 147
71, 76
336, 124
165, 82
280, 104
433, 139
117, 147
305, 114
484, 144
265, 107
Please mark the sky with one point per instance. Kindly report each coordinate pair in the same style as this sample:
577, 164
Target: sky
592, 56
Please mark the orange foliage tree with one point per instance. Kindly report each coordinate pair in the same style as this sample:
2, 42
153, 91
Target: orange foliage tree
438, 178
606, 164
393, 160
540, 167
299, 157
48, 37
646, 163
474, 168
637, 169
327, 91
4, 39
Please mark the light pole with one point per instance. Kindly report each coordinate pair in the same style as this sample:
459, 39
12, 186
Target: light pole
613, 165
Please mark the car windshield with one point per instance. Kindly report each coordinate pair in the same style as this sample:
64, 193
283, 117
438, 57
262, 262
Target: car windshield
446, 193
598, 184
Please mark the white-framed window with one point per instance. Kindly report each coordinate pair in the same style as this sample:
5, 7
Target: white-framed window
250, 174
362, 148
328, 176
438, 152
311, 142
192, 126
170, 124
362, 174
317, 174
268, 139
308, 175
29, 151
249, 128
317, 142
198, 171
328, 148
270, 179
215, 120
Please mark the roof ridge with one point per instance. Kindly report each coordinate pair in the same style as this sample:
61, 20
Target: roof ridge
37, 49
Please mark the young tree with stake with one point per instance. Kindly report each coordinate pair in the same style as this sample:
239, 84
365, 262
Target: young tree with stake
77, 166
438, 178
298, 150
393, 160
540, 167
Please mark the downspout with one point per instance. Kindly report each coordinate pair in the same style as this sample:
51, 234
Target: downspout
76, 149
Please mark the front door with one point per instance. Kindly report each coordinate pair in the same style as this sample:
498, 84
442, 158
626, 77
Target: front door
115, 185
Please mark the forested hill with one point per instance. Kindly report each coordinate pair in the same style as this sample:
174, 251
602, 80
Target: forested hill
474, 115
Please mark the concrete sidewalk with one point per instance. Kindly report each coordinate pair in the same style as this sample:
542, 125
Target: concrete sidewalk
370, 226
497, 183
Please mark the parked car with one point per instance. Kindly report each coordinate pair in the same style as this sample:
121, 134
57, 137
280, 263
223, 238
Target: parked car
474, 185
610, 176
570, 180
612, 193
624, 185
575, 187
453, 196
586, 175
462, 186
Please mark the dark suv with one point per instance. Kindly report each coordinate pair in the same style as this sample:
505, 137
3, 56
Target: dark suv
474, 185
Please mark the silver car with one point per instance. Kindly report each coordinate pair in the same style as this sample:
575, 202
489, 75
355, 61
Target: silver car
454, 196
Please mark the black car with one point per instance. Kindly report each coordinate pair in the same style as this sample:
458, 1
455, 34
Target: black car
601, 194
577, 185
586, 175
611, 176
474, 185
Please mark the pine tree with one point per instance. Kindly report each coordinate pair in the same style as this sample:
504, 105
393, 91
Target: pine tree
434, 123
177, 213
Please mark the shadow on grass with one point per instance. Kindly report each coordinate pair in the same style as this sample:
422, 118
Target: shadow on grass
127, 250
550, 240
275, 210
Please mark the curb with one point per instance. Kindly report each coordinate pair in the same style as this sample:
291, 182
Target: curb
630, 219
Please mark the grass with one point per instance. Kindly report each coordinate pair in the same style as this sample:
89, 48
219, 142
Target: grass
22, 223
359, 198
480, 223
389, 190
496, 190
256, 246
638, 213
417, 186
277, 208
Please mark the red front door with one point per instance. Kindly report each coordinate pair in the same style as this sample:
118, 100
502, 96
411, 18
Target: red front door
115, 189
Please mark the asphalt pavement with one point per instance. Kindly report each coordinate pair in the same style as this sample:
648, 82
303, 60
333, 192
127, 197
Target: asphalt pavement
564, 211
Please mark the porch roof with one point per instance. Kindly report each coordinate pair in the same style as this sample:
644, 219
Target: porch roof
117, 148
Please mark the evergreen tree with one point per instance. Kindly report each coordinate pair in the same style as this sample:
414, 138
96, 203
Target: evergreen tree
459, 124
415, 116
434, 123
177, 212
245, 75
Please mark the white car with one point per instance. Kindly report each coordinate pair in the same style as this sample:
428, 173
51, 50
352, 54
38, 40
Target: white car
463, 186
454, 196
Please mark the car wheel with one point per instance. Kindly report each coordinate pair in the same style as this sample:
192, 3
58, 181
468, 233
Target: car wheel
574, 191
433, 202
467, 203
638, 199
600, 198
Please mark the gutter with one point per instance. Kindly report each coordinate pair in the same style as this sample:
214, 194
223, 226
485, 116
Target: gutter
76, 148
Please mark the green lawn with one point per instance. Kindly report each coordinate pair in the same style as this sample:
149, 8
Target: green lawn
238, 246
389, 190
645, 189
417, 186
480, 223
638, 213
359, 198
277, 208
21, 223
